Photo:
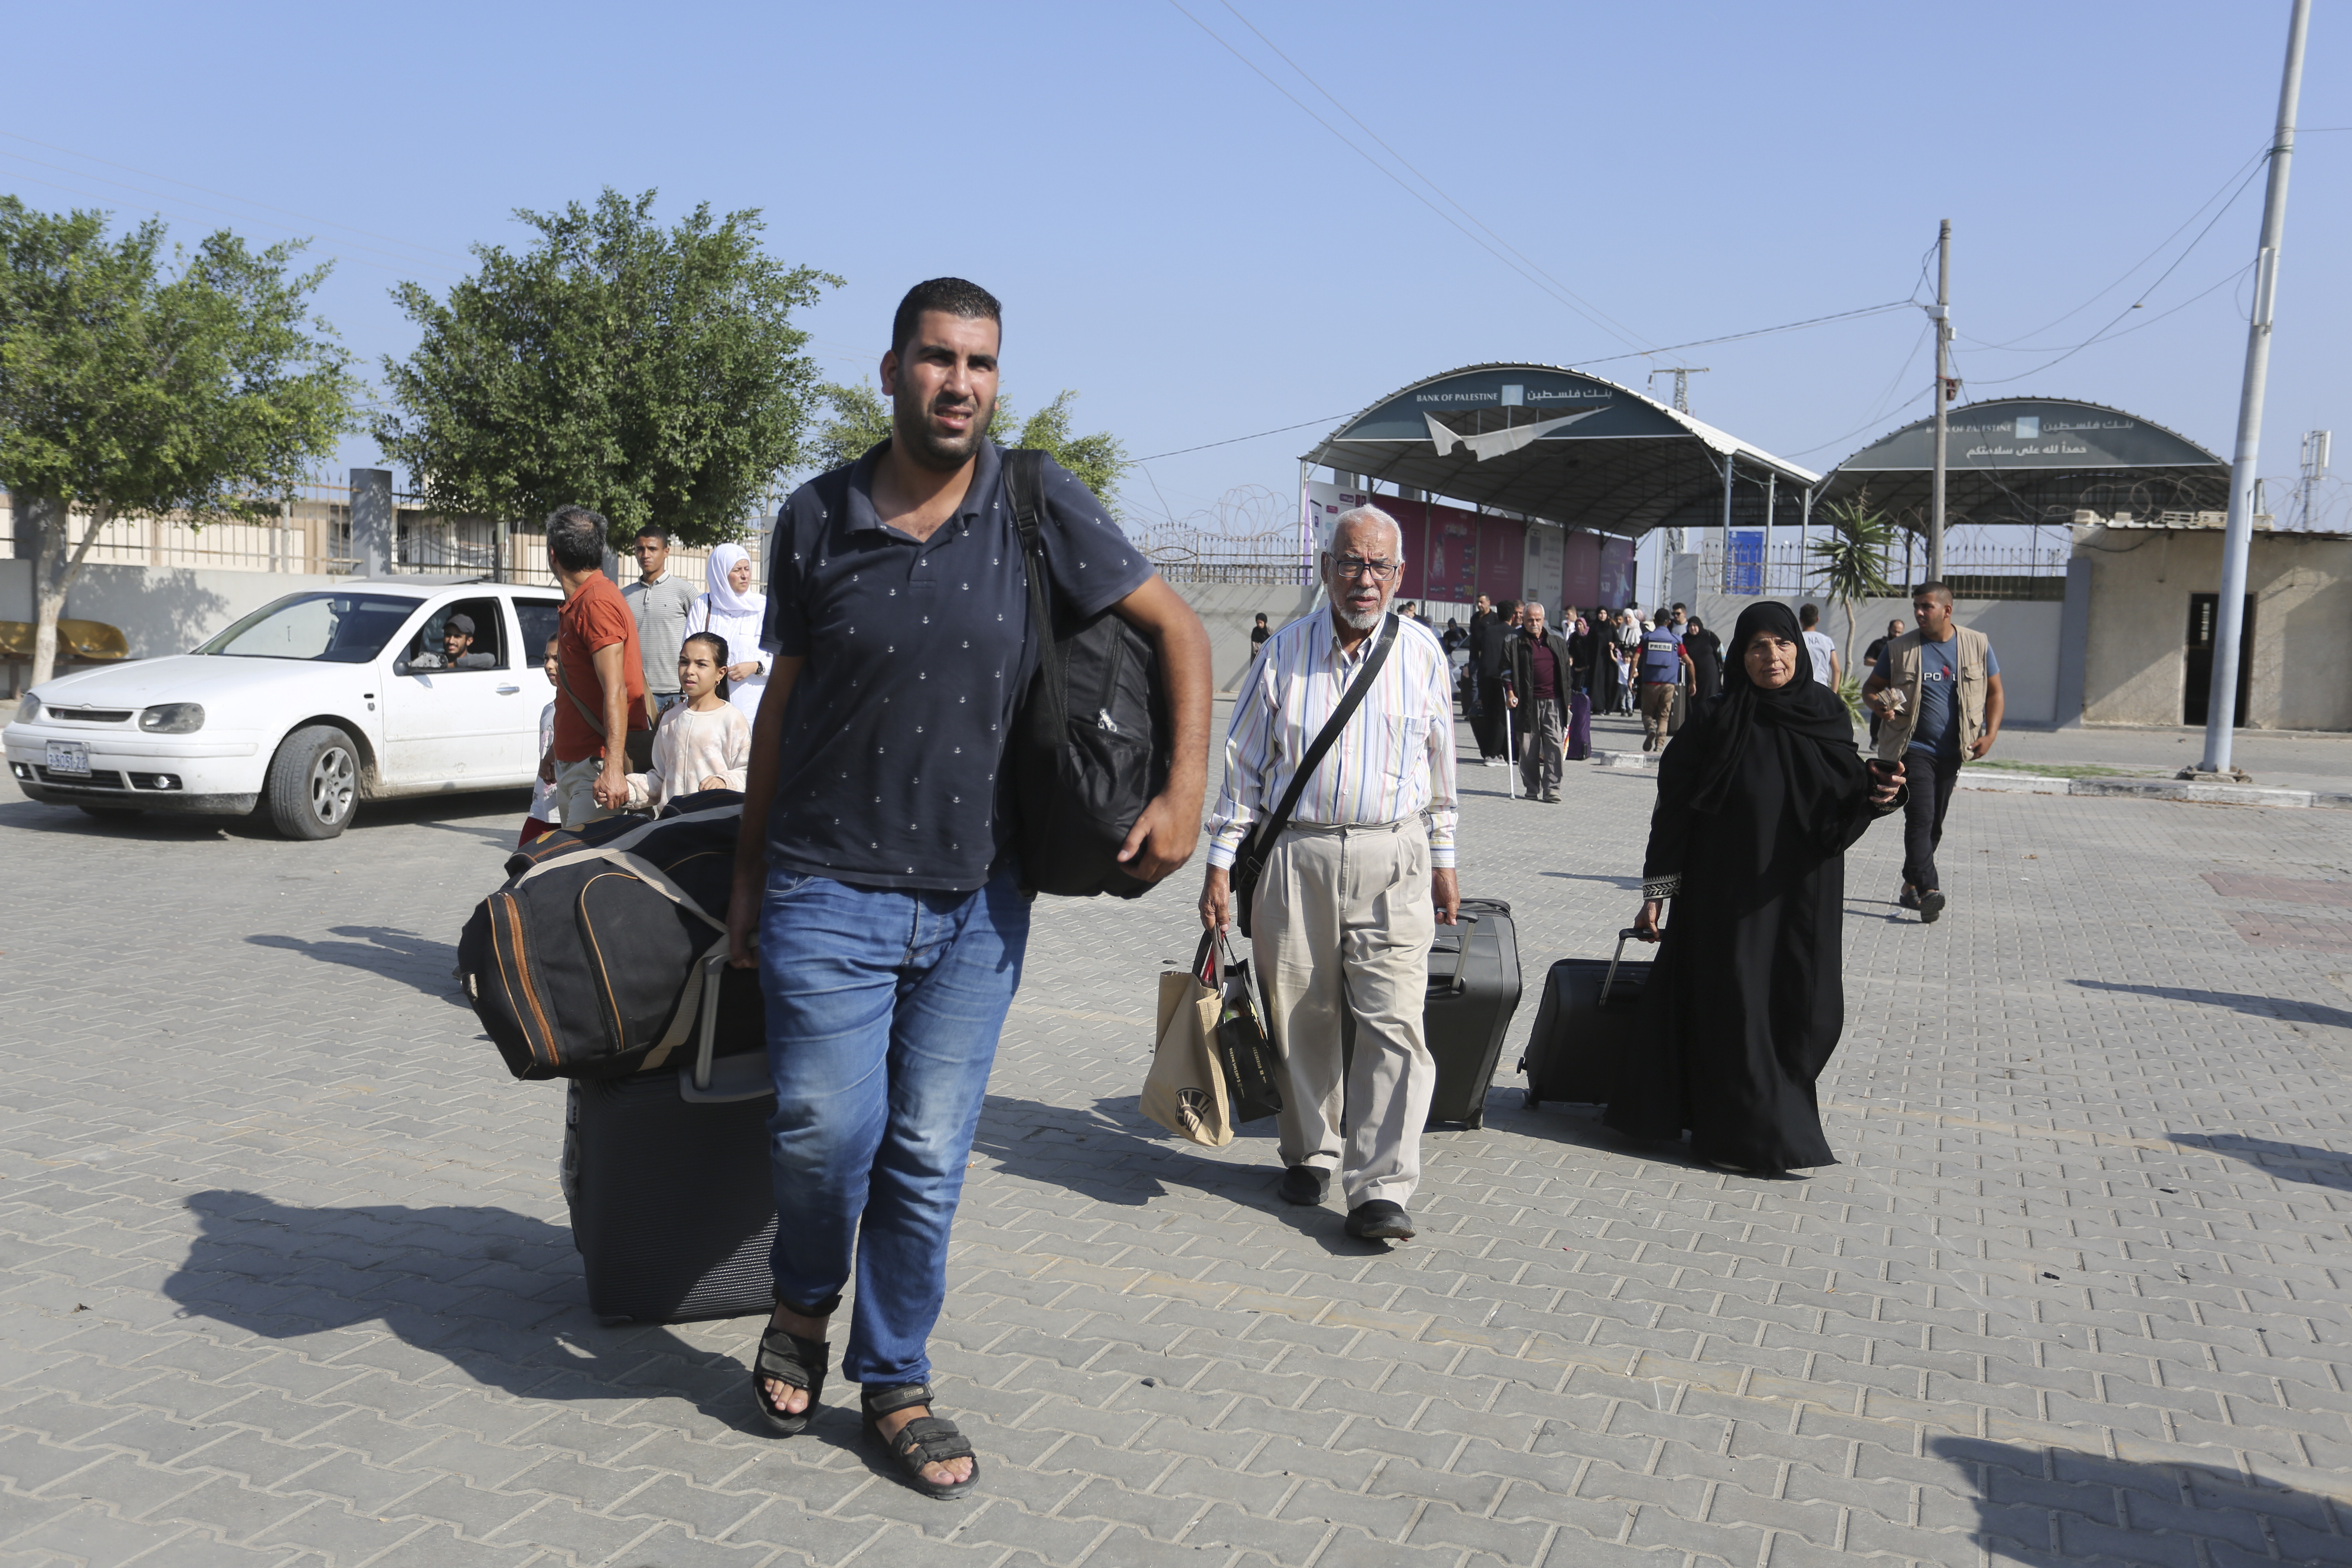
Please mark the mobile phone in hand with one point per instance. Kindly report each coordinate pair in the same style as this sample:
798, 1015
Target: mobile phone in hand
1883, 769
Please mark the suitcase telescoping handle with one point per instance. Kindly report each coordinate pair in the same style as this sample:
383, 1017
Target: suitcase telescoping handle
713, 971
1464, 920
1609, 979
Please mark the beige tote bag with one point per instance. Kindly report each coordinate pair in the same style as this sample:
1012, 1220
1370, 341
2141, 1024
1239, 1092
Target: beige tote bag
1185, 1090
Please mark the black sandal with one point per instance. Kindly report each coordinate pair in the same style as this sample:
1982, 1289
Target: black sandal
925, 1440
793, 1361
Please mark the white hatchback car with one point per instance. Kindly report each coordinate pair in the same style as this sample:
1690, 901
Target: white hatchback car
305, 708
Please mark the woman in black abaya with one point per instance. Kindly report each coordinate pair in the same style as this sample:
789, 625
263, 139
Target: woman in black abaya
1759, 797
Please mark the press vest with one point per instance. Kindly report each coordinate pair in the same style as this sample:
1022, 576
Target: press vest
1905, 674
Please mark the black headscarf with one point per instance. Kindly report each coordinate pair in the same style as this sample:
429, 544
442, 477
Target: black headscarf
1803, 710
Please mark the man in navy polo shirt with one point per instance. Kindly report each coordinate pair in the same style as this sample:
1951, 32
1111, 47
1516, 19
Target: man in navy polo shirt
875, 868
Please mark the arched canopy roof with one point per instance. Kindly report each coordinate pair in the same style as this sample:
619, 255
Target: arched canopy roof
2033, 460
1549, 443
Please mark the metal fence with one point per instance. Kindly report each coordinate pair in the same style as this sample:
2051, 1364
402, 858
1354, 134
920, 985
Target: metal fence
1188, 554
1791, 571
312, 535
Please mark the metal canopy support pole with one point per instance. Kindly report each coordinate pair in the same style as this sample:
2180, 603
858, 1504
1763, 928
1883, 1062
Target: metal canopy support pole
1805, 518
1943, 383
1306, 528
1771, 506
2221, 709
1726, 522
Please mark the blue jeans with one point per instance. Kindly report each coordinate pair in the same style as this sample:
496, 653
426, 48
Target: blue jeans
884, 1008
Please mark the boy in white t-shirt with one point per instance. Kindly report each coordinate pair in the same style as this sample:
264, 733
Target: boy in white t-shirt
543, 811
1826, 664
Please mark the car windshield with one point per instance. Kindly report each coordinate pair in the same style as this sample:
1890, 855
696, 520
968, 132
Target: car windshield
349, 627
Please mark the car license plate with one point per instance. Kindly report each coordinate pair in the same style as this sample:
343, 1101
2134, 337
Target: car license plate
70, 757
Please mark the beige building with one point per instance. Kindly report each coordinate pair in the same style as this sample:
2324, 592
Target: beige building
2149, 596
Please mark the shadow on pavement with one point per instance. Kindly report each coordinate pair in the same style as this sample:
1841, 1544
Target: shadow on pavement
495, 1294
402, 955
2278, 1007
2287, 1162
1111, 1154
2045, 1505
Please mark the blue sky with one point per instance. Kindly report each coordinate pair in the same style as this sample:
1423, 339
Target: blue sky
1201, 259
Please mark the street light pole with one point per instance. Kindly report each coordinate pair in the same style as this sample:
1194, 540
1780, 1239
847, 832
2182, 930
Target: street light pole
2237, 539
1943, 381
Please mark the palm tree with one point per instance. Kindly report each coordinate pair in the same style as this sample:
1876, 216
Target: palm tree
1851, 566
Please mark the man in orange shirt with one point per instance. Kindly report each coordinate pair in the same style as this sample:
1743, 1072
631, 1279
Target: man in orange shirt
600, 689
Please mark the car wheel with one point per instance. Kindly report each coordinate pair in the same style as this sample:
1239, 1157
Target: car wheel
314, 783
115, 813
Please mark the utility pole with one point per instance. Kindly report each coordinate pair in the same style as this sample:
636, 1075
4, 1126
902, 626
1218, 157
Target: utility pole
2221, 704
1943, 313
1682, 375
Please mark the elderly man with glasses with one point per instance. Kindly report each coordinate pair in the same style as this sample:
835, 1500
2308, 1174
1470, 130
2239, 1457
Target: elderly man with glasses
1356, 885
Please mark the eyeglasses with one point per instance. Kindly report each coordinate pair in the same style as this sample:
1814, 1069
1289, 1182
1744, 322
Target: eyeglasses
1378, 571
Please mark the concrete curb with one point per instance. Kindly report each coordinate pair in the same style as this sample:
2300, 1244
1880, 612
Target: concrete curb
2051, 783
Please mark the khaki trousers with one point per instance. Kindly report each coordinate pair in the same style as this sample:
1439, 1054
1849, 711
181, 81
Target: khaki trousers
575, 793
1657, 702
1342, 927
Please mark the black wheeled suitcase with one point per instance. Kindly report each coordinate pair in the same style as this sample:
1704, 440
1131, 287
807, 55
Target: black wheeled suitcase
1474, 989
667, 1174
1587, 1023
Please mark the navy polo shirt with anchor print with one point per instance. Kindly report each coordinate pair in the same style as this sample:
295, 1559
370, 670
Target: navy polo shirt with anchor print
918, 653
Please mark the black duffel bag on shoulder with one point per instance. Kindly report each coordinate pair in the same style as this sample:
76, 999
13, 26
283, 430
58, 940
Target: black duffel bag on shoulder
585, 964
1091, 745
1091, 742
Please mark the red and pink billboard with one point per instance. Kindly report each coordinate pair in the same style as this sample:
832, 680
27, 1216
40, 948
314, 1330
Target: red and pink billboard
1617, 583
1502, 559
1580, 578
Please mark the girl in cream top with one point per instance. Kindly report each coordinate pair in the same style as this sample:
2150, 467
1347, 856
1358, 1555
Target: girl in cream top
704, 742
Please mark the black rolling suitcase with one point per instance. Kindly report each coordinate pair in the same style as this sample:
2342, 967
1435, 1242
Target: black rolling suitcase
667, 1179
1587, 1024
1474, 989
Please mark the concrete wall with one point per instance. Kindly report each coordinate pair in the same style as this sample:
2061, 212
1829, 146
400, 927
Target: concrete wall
161, 609
2025, 639
1230, 609
2135, 661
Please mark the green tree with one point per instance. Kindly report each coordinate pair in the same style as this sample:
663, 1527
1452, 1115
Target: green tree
1851, 566
861, 420
652, 373
138, 384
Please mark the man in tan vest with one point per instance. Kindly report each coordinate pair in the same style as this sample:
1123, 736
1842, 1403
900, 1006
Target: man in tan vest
1937, 692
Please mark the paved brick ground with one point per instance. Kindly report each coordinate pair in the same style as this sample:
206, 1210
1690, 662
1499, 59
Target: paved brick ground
287, 1280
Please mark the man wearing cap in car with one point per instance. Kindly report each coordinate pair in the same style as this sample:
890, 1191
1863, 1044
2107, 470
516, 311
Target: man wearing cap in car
457, 642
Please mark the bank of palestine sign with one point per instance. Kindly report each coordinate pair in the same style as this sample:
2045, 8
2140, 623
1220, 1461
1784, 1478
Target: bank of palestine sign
1483, 413
2032, 433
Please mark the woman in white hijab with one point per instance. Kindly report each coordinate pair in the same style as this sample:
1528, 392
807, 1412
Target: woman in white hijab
730, 608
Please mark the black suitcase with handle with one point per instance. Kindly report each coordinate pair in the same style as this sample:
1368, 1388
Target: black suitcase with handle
1587, 1023
1474, 989
667, 1174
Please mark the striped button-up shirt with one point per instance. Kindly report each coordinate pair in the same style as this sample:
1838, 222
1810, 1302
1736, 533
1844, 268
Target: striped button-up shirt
1395, 759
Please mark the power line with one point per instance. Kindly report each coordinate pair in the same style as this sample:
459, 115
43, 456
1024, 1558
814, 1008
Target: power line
1761, 332
1235, 439
1881, 413
2151, 288
1568, 300
1401, 158
2234, 174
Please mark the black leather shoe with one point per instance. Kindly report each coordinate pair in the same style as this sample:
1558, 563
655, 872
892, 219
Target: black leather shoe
1306, 1185
1931, 906
1379, 1220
